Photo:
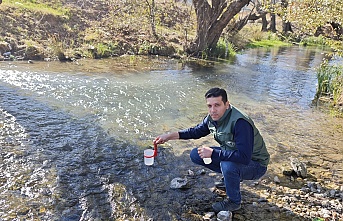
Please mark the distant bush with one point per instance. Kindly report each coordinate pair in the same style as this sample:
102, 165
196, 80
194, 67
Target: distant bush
224, 49
330, 81
313, 41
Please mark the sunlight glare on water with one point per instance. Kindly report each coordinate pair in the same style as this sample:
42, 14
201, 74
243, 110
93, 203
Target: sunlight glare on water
141, 104
129, 106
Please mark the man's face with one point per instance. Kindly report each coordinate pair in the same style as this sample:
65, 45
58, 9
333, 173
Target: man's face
216, 107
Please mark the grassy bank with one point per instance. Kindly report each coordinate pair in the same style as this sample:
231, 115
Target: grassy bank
329, 74
330, 85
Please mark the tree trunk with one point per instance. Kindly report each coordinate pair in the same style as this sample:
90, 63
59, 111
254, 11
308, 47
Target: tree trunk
338, 30
272, 27
264, 23
152, 17
286, 25
211, 20
239, 25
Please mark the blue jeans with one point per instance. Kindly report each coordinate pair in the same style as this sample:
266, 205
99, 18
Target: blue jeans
233, 173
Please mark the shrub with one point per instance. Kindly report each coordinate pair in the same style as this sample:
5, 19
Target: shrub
330, 81
224, 49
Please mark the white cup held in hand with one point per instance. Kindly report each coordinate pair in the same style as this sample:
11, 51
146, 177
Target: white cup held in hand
207, 160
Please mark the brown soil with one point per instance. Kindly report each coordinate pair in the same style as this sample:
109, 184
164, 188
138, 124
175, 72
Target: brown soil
93, 29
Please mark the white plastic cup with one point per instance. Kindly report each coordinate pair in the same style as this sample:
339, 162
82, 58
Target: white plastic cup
207, 160
148, 157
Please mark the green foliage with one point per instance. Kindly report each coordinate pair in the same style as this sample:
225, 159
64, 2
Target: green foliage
204, 55
53, 8
103, 50
337, 46
251, 32
330, 81
256, 38
313, 41
224, 49
267, 43
307, 16
144, 48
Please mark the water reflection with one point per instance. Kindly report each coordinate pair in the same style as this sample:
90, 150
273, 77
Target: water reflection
285, 75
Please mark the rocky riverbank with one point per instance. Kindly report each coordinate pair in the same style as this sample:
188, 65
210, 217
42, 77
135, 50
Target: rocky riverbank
293, 199
273, 197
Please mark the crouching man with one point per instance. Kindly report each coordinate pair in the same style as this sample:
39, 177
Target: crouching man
242, 154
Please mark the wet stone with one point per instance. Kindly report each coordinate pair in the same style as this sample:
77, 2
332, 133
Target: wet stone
224, 216
179, 183
23, 211
209, 215
277, 180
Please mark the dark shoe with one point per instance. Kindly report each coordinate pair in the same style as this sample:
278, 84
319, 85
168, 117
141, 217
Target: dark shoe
225, 205
220, 184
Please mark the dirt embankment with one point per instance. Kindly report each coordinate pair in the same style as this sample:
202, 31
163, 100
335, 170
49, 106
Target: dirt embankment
72, 29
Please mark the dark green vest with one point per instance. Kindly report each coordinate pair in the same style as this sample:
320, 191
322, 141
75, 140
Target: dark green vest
223, 134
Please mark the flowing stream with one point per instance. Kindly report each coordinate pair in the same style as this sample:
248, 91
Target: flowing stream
73, 134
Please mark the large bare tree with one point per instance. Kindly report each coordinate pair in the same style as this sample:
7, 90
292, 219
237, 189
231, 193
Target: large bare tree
212, 17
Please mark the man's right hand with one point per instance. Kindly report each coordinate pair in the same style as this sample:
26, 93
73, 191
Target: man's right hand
159, 140
165, 137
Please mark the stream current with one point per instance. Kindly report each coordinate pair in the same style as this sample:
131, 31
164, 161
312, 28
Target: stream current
73, 134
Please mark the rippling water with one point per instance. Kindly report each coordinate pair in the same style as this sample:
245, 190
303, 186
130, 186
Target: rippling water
73, 134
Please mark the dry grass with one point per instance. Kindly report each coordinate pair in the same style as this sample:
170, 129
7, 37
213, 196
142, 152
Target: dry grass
83, 25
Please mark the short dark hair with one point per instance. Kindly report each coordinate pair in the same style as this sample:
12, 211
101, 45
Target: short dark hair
217, 92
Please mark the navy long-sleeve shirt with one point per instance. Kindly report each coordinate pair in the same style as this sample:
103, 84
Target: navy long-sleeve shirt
243, 136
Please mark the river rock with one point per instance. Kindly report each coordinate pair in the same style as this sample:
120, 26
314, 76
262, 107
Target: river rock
277, 180
224, 216
299, 167
190, 172
179, 183
7, 54
209, 216
201, 172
